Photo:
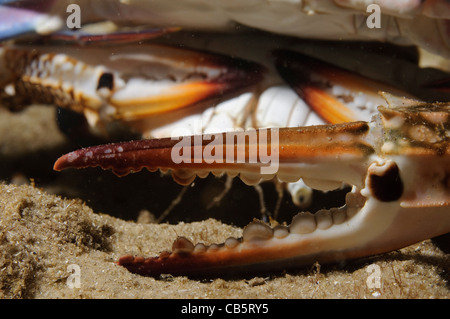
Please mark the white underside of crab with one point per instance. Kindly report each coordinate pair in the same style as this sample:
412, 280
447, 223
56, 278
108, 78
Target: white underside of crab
423, 23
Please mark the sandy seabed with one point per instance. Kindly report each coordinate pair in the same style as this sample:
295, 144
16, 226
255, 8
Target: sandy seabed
50, 233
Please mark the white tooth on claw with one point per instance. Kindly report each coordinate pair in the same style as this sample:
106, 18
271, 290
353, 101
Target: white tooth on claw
183, 176
280, 231
231, 242
287, 177
202, 174
303, 223
199, 248
321, 184
354, 201
323, 219
232, 173
257, 230
213, 247
217, 173
250, 178
182, 245
352, 211
339, 215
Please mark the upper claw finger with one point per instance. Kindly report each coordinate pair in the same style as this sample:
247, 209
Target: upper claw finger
289, 153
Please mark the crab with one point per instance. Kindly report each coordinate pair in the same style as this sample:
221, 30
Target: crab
381, 159
384, 161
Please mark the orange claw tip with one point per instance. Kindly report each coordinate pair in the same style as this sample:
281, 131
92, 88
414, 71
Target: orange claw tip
330, 108
173, 98
302, 73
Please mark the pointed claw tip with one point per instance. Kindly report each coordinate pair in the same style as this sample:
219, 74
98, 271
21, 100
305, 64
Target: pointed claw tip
61, 163
69, 160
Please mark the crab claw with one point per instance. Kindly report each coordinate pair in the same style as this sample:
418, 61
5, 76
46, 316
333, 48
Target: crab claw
126, 83
335, 94
179, 78
398, 165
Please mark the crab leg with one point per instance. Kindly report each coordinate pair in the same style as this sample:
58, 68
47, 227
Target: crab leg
396, 198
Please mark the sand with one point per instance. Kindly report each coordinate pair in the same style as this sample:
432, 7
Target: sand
61, 233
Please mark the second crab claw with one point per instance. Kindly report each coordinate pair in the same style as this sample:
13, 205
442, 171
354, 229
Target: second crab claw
126, 83
398, 165
335, 94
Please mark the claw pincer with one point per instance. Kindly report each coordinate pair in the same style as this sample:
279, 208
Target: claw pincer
127, 84
398, 165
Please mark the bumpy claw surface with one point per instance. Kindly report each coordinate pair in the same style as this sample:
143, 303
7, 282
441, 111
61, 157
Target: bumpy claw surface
398, 164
